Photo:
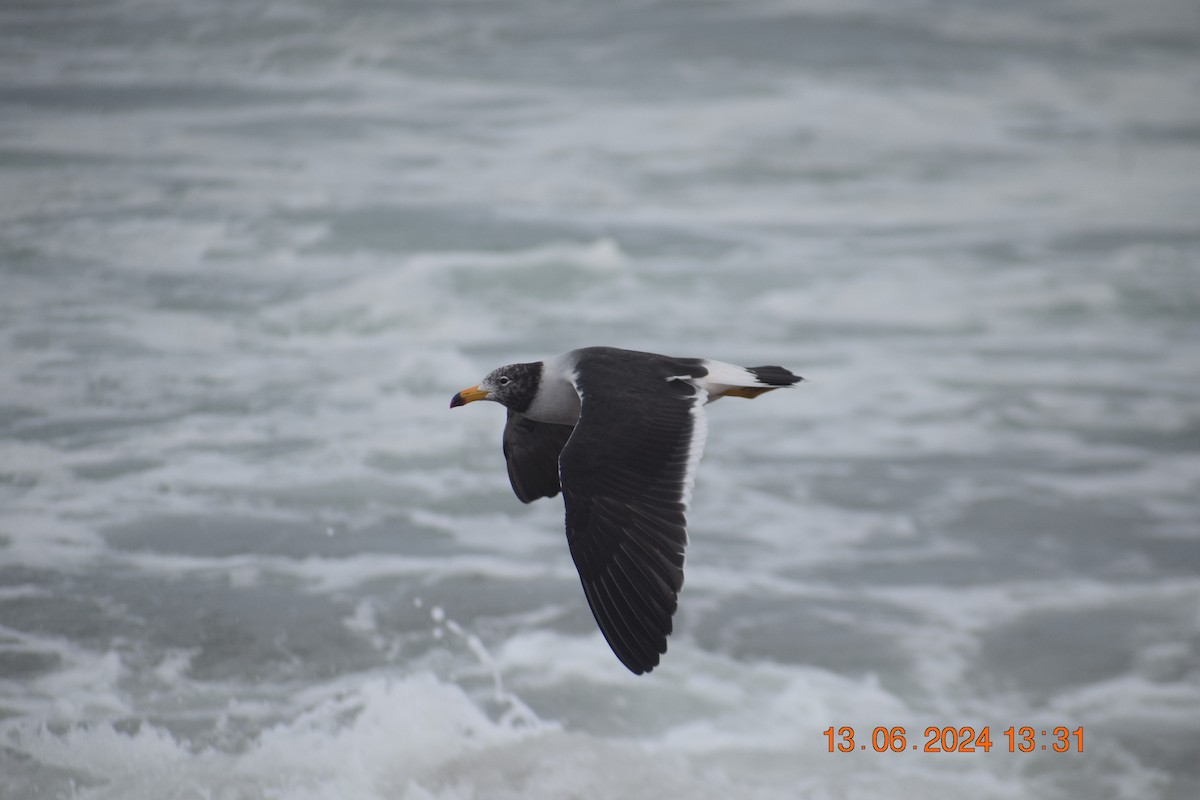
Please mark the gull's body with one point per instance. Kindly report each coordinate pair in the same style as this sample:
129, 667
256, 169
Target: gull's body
620, 433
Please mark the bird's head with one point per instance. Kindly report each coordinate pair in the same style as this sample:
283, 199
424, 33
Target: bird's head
513, 386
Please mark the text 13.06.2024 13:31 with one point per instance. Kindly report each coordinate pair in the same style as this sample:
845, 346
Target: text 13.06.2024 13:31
966, 739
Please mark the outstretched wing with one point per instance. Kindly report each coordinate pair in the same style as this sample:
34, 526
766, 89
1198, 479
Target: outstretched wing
531, 450
627, 473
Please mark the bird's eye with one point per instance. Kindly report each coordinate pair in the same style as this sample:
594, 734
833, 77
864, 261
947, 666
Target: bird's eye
503, 380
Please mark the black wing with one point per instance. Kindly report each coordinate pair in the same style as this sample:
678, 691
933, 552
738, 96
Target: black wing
531, 450
626, 473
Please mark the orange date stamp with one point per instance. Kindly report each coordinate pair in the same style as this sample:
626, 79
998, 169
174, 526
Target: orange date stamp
950, 739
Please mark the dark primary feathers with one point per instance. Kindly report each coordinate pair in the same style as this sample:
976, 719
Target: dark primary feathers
623, 475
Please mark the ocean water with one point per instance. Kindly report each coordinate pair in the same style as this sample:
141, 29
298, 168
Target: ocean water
248, 251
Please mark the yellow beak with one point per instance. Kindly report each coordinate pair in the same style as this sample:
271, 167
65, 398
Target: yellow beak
468, 396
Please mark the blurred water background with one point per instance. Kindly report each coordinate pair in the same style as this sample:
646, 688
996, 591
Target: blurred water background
248, 250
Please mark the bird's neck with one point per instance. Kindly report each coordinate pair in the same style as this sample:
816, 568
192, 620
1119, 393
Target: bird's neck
556, 399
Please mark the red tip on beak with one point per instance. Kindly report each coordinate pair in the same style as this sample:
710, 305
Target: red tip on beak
468, 396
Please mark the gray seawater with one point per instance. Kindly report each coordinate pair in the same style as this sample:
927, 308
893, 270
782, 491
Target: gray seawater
249, 250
